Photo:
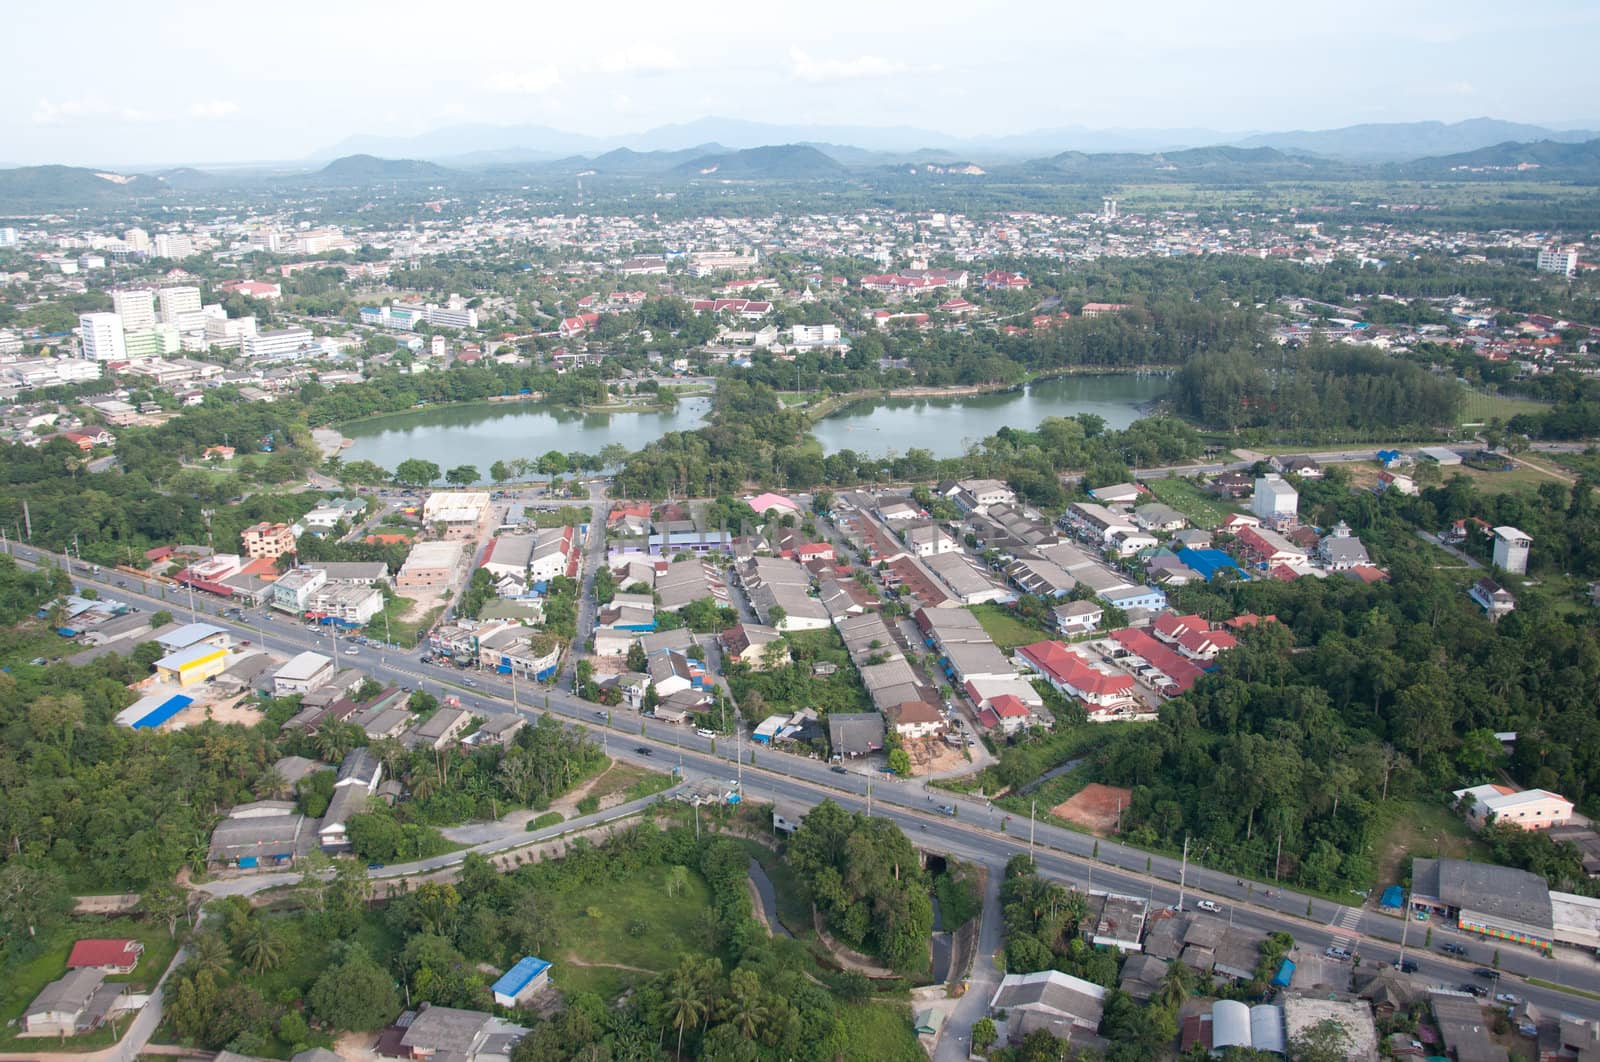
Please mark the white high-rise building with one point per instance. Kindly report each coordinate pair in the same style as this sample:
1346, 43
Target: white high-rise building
137, 240
8, 237
167, 245
102, 337
178, 302
1557, 260
136, 307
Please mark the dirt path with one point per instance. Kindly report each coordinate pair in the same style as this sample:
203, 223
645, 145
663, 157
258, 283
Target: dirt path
572, 959
1564, 477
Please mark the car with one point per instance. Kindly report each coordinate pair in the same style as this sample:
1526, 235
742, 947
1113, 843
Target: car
705, 732
1507, 997
1406, 966
1209, 905
469, 683
947, 809
374, 866
602, 715
1476, 990
838, 769
644, 750
1484, 971
1452, 949
38, 661
352, 651
1337, 953
244, 642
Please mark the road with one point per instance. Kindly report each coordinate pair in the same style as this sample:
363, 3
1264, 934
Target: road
979, 832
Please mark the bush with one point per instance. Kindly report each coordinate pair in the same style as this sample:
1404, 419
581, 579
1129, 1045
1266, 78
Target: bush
549, 818
589, 805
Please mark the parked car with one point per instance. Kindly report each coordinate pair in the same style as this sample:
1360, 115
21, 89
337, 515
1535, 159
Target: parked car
1406, 966
1209, 905
837, 769
1452, 949
705, 732
1477, 990
1334, 951
1507, 997
352, 651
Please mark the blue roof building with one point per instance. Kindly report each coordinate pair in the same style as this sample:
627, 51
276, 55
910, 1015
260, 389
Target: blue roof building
1208, 562
521, 981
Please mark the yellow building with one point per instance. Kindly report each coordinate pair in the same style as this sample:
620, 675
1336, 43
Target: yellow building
195, 664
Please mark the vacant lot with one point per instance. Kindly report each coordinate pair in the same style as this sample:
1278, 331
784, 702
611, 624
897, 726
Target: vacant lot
1419, 828
1095, 807
1477, 408
619, 933
1008, 629
1185, 495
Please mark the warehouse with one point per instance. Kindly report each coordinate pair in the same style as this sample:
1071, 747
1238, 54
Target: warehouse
147, 713
195, 664
429, 564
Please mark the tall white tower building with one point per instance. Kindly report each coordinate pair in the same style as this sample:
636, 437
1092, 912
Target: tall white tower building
102, 337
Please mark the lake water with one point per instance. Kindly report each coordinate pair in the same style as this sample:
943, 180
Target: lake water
482, 434
948, 426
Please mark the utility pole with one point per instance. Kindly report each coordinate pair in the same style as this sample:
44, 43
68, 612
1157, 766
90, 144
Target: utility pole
1033, 806
1183, 871
1405, 924
869, 793
1277, 860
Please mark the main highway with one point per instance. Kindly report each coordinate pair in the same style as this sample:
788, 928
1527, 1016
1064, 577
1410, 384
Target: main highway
978, 831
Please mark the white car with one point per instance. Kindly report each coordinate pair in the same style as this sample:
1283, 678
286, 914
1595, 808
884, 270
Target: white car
352, 651
1208, 905
703, 732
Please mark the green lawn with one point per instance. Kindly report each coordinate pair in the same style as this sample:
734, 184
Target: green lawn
880, 1032
1479, 408
1422, 828
632, 781
1203, 510
22, 983
1008, 629
597, 921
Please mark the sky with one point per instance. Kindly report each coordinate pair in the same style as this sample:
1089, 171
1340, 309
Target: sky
106, 82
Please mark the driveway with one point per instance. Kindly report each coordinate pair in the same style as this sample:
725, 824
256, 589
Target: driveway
955, 1038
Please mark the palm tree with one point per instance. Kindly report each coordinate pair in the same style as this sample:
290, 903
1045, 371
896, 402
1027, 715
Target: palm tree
1175, 985
685, 1002
742, 1007
261, 949
272, 784
209, 953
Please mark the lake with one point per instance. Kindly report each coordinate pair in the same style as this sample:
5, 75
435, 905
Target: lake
948, 426
481, 434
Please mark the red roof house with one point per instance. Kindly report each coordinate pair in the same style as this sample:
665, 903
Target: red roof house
117, 956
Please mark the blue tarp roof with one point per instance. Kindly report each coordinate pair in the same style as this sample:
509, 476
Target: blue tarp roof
166, 710
520, 976
1393, 898
1208, 562
1284, 975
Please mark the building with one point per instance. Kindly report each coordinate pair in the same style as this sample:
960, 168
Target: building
180, 306
1530, 809
302, 674
518, 984
195, 664
461, 512
430, 564
1340, 551
293, 590
1557, 260
118, 956
1495, 599
976, 495
103, 338
1275, 501
1511, 550
276, 343
1070, 675
263, 834
855, 733
267, 540
446, 1034
1051, 1000
1499, 902
72, 1004
1078, 617
825, 335
136, 307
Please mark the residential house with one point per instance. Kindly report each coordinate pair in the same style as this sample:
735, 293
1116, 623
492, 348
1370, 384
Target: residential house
1078, 617
1530, 809
1340, 551
1070, 675
77, 1002
1060, 1003
915, 719
1495, 600
114, 956
748, 642
855, 734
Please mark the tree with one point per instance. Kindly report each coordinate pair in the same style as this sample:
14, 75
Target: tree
900, 762
165, 903
499, 472
462, 476
261, 949
636, 658
743, 1007
356, 994
1325, 1041
984, 1034
414, 472
32, 899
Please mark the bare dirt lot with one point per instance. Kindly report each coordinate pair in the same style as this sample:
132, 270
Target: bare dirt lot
1095, 806
224, 711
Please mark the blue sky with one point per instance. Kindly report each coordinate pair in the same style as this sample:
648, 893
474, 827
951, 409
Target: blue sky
108, 82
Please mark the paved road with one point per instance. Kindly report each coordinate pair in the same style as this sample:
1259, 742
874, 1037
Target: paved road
979, 832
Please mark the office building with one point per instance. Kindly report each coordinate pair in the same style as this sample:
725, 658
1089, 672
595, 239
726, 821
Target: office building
1557, 260
136, 307
177, 302
169, 246
102, 337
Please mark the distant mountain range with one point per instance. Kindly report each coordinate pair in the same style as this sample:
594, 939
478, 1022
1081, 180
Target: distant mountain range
474, 146
67, 187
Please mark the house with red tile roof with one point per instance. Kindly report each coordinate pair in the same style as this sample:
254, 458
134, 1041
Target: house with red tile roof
1070, 675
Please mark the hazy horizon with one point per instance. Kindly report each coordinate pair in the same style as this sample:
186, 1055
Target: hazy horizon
177, 83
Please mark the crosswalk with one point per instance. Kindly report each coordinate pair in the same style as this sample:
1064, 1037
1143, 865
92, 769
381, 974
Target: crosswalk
1345, 921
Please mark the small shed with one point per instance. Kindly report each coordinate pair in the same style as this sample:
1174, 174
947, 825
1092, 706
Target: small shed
519, 983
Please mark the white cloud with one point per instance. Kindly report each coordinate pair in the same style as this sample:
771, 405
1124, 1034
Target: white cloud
636, 59
48, 112
807, 68
213, 109
534, 82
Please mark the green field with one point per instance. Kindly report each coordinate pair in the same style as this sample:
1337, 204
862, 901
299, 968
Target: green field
22, 982
1204, 510
1008, 629
1420, 828
1479, 408
880, 1031
628, 930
